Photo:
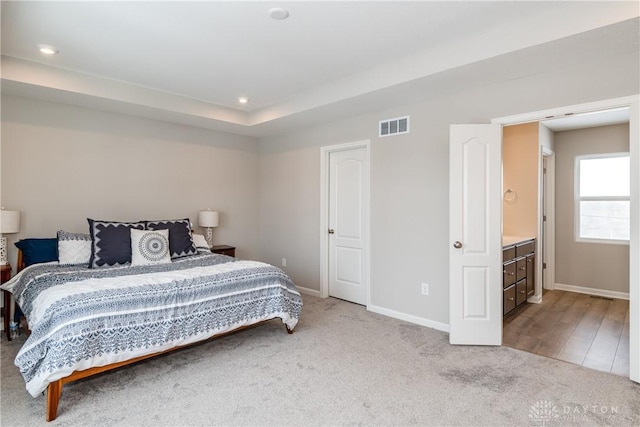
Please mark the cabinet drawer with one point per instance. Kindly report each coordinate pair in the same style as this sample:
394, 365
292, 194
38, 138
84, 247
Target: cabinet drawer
508, 253
508, 274
521, 292
521, 268
509, 299
525, 248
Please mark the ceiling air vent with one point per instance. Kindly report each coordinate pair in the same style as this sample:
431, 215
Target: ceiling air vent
394, 126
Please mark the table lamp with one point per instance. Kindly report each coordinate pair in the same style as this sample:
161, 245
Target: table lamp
9, 223
209, 219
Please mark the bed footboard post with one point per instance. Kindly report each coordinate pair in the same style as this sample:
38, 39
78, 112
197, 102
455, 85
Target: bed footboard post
53, 397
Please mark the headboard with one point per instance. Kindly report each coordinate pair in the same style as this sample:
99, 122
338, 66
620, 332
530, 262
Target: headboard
20, 263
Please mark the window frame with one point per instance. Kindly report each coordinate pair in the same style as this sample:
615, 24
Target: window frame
577, 199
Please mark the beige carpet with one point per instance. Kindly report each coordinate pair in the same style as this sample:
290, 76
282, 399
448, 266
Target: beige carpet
342, 366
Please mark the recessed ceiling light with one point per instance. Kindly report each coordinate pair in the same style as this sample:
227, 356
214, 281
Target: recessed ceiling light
278, 13
47, 49
243, 99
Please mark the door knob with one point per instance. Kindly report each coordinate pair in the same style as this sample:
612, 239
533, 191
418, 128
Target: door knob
457, 244
331, 231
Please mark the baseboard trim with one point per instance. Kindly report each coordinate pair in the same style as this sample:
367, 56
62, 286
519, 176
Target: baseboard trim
308, 291
592, 291
409, 318
536, 299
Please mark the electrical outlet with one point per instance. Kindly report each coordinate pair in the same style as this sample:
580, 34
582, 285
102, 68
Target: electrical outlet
284, 262
425, 289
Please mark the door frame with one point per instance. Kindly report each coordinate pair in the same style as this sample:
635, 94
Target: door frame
633, 102
549, 226
324, 214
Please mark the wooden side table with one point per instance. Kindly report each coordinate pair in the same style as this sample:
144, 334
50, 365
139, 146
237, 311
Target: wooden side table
224, 250
5, 275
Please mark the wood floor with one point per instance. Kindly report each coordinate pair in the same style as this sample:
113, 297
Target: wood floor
577, 328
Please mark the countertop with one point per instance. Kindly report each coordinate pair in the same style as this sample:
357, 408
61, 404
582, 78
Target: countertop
512, 240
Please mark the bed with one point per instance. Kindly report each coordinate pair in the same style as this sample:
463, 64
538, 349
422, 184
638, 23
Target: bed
85, 321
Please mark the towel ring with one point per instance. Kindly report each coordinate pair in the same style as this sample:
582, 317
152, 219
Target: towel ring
510, 195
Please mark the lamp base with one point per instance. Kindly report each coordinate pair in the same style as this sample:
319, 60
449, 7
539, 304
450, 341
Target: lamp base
3, 251
209, 237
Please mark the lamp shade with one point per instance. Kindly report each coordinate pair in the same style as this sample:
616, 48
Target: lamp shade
10, 222
208, 218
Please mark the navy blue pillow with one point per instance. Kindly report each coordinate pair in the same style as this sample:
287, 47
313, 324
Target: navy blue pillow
180, 241
111, 242
35, 251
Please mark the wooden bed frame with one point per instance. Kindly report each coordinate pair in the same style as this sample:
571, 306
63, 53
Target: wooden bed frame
54, 390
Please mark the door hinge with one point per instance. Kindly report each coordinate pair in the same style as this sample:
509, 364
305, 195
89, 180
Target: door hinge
544, 217
544, 170
544, 265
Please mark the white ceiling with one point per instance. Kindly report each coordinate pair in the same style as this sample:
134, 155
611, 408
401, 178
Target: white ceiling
587, 120
188, 62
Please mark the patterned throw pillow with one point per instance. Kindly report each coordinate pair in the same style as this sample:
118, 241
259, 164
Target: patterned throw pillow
149, 247
111, 242
200, 243
74, 248
180, 241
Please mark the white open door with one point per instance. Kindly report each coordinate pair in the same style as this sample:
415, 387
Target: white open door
475, 232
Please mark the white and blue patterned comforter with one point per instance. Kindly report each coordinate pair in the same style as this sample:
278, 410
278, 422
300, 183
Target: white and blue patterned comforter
82, 318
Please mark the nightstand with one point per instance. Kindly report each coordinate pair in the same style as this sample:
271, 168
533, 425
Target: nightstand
5, 275
224, 250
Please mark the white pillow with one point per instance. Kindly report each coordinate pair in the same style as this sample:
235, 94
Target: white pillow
200, 242
149, 247
73, 248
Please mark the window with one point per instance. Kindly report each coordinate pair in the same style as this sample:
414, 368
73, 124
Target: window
602, 193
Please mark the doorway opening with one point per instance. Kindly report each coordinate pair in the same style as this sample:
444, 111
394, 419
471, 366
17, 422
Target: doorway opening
580, 310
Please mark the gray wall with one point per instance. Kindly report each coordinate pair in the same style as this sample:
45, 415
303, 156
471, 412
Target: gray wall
591, 265
62, 164
409, 179
269, 200
546, 136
